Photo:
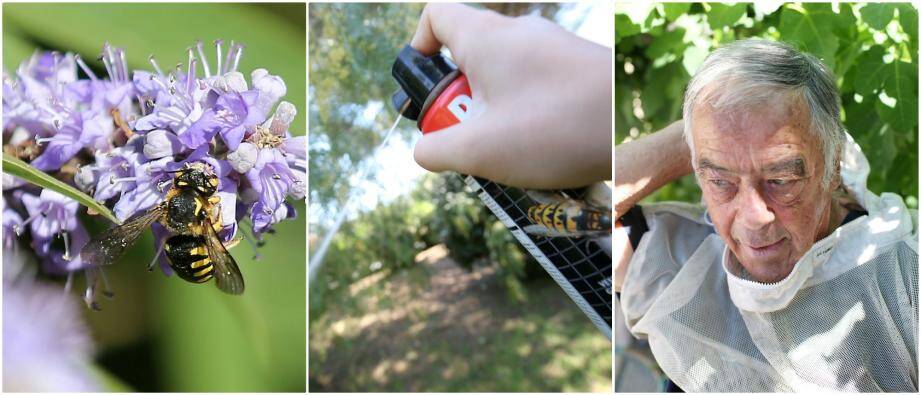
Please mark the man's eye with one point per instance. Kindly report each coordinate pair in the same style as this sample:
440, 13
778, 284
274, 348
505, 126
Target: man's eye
779, 182
719, 183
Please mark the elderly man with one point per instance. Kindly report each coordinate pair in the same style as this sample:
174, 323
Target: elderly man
790, 275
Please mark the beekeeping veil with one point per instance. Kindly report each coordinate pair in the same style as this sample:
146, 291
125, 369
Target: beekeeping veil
845, 318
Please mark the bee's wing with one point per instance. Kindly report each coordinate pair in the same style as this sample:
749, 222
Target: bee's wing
544, 197
540, 230
111, 244
226, 273
599, 195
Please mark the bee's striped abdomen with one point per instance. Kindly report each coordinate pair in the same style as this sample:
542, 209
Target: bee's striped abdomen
566, 217
188, 256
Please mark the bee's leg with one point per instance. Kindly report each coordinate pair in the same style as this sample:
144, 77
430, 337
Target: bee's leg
105, 284
89, 297
69, 283
150, 266
256, 255
233, 242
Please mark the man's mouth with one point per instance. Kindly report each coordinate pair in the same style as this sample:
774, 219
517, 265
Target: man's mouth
766, 249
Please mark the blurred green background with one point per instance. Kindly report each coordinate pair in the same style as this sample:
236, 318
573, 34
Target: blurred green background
871, 48
422, 289
164, 334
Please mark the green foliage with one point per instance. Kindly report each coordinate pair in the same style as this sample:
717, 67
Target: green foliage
474, 236
872, 49
352, 48
440, 211
18, 168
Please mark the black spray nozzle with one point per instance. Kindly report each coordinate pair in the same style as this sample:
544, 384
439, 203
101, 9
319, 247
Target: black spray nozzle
421, 79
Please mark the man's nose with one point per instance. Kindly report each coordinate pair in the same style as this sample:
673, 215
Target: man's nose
754, 211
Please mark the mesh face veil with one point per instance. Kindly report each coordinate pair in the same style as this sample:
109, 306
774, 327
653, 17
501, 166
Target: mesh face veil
845, 318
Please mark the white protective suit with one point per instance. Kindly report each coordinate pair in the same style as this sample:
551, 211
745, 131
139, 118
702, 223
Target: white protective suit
845, 318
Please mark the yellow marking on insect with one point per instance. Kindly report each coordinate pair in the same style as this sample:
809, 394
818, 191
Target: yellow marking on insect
197, 207
166, 247
558, 217
181, 183
198, 251
571, 224
548, 215
214, 199
204, 271
204, 279
201, 262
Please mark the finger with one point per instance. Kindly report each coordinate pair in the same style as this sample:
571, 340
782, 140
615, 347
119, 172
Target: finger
445, 24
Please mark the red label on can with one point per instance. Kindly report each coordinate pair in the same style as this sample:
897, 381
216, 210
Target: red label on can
451, 107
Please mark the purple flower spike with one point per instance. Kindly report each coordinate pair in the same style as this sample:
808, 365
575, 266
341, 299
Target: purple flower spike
160, 143
59, 262
50, 213
270, 178
232, 115
12, 222
116, 172
150, 186
79, 132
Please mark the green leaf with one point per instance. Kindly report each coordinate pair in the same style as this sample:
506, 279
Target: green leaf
670, 42
637, 12
624, 27
908, 18
877, 15
861, 118
901, 85
873, 72
693, 57
15, 167
811, 28
675, 10
721, 15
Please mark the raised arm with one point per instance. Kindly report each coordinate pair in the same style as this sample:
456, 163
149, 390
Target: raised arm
641, 167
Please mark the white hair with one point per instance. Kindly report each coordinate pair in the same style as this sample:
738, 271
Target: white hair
748, 73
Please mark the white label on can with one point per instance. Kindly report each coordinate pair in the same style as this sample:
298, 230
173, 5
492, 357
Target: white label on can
460, 107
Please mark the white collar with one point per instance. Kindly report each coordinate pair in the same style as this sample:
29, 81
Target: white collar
850, 245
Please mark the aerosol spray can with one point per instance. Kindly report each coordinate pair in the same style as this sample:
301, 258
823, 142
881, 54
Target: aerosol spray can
436, 94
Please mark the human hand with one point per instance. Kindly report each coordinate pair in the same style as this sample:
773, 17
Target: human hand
541, 113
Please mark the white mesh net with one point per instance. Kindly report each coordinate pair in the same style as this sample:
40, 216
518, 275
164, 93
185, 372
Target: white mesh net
846, 319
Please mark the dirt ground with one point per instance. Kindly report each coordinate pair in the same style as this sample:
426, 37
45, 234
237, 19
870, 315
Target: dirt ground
439, 327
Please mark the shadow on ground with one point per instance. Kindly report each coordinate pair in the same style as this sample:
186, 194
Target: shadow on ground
438, 327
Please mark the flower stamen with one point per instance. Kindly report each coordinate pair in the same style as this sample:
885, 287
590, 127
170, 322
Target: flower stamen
218, 43
204, 60
155, 66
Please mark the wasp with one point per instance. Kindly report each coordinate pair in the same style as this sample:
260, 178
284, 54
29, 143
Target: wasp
191, 213
556, 215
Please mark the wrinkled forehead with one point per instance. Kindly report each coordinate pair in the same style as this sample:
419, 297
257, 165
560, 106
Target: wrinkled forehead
755, 131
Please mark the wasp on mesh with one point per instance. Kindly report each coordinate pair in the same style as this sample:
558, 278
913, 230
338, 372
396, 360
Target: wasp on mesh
191, 213
556, 215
